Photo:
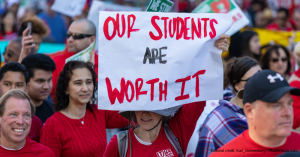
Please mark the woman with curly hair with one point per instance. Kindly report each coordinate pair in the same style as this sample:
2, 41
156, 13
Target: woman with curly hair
78, 128
39, 31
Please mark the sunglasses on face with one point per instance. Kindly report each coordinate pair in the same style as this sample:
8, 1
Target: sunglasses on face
283, 59
78, 35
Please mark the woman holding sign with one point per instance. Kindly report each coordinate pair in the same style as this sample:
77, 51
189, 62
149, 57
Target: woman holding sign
160, 132
78, 128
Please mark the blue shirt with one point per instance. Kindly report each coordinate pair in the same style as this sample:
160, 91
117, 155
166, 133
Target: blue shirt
57, 25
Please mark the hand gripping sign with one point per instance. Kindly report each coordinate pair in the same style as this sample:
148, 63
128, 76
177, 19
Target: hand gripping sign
152, 61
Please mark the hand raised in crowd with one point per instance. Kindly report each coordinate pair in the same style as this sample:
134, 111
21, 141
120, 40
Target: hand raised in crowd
223, 42
27, 44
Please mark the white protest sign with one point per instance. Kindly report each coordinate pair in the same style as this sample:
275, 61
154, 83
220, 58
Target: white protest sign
225, 6
102, 6
67, 7
152, 60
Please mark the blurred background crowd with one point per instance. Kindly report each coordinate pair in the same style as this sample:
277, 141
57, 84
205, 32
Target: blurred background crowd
271, 22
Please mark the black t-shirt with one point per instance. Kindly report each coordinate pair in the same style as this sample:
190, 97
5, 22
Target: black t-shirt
44, 111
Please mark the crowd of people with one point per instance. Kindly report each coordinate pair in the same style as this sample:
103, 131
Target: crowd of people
48, 107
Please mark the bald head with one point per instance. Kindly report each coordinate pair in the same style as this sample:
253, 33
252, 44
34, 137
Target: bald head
86, 26
83, 27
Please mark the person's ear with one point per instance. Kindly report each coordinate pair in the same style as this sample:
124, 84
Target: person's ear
93, 38
28, 85
236, 86
249, 110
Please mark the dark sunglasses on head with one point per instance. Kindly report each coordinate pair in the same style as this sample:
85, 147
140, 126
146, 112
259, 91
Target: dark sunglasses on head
78, 35
283, 59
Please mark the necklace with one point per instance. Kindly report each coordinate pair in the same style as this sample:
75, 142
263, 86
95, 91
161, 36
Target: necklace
82, 121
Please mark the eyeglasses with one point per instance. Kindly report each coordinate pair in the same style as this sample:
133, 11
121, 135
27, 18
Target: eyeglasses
78, 35
283, 59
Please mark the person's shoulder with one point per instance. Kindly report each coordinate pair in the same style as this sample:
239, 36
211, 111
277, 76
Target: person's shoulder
271, 25
60, 17
54, 119
295, 83
36, 120
61, 55
225, 109
41, 15
48, 103
112, 147
39, 149
294, 136
234, 143
228, 147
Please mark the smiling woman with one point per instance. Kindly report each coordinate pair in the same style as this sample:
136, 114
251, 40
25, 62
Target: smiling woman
78, 128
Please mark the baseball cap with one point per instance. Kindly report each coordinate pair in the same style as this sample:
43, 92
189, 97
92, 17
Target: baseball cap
267, 86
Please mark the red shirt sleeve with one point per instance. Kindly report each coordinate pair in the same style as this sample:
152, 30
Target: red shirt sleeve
114, 120
112, 148
50, 136
184, 122
296, 105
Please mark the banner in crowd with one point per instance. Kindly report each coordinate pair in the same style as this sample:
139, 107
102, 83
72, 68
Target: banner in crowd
160, 6
152, 60
86, 55
225, 6
102, 6
291, 5
67, 7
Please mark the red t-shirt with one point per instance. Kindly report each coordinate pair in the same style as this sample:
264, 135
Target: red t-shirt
241, 145
69, 137
60, 61
182, 126
30, 149
35, 129
296, 103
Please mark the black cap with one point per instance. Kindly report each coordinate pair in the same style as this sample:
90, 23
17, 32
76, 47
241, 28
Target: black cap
267, 86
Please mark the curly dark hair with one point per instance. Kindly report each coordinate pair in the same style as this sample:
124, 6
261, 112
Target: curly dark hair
61, 100
38, 26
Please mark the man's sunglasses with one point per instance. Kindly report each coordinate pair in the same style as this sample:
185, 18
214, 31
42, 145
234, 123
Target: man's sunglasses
283, 59
78, 35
